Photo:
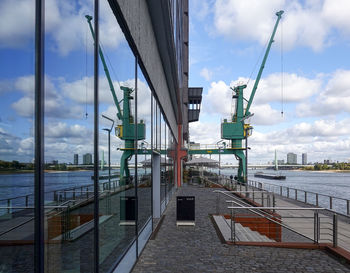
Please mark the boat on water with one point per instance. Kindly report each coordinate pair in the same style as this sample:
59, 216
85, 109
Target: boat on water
270, 176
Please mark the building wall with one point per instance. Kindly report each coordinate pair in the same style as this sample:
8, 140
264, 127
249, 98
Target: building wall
138, 22
89, 230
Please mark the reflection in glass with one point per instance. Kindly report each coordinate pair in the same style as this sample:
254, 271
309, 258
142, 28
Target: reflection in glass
17, 136
68, 149
144, 152
117, 205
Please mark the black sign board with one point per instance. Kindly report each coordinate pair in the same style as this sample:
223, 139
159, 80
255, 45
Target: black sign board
185, 208
127, 208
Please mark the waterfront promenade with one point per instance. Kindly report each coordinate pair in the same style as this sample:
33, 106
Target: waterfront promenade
199, 249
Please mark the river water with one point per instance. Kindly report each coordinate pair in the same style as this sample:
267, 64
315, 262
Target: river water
335, 184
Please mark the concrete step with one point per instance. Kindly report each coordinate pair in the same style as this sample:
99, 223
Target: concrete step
243, 234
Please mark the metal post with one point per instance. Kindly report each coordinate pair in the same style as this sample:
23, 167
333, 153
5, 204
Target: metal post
74, 194
262, 198
296, 194
231, 218
219, 164
217, 203
315, 227
27, 200
109, 158
335, 230
347, 207
305, 197
273, 201
288, 192
330, 202
253, 195
281, 190
96, 140
39, 198
316, 199
8, 206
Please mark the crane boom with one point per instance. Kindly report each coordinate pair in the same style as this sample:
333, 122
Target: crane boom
279, 15
116, 102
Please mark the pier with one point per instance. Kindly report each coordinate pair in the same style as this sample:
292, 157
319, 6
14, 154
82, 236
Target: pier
207, 247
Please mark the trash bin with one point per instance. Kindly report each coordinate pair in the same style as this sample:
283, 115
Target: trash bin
185, 210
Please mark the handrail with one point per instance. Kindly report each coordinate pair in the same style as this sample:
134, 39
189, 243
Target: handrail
251, 208
316, 195
276, 208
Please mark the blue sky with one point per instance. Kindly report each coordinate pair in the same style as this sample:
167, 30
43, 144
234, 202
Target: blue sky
227, 39
68, 80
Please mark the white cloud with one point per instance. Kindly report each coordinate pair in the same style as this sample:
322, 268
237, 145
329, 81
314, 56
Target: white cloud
322, 139
309, 24
64, 21
55, 104
218, 100
334, 99
17, 23
206, 74
205, 132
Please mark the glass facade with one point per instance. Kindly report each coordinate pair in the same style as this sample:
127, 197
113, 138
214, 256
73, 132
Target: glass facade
88, 206
17, 55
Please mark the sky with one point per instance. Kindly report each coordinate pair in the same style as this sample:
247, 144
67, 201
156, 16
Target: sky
306, 76
227, 39
68, 80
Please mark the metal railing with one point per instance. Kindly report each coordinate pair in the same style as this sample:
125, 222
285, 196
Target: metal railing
308, 197
310, 224
57, 197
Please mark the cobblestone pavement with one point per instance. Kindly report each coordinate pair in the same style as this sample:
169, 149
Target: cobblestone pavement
198, 249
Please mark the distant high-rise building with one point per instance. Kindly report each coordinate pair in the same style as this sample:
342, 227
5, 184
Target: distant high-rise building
87, 159
76, 159
304, 158
291, 158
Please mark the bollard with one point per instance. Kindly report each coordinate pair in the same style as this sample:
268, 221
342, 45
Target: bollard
281, 191
288, 192
27, 200
347, 207
296, 194
305, 197
316, 199
330, 202
335, 230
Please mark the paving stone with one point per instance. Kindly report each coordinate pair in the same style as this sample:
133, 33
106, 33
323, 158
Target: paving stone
198, 249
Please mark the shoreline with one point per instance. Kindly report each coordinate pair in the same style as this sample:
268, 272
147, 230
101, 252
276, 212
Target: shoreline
324, 171
45, 171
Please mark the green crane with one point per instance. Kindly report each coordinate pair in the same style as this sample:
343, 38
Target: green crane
125, 131
236, 129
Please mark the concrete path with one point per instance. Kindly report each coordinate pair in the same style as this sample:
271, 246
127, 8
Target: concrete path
198, 248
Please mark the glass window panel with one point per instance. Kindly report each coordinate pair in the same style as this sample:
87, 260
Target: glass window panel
68, 121
144, 156
163, 187
17, 135
117, 186
170, 160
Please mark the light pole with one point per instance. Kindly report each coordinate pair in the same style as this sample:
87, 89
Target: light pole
109, 148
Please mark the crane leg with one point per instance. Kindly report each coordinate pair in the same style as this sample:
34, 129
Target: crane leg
124, 168
241, 175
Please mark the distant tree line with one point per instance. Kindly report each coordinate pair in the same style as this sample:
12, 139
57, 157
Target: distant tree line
10, 166
333, 166
15, 165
